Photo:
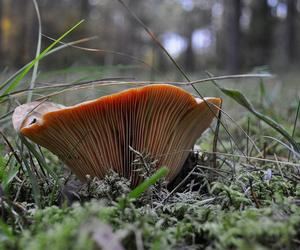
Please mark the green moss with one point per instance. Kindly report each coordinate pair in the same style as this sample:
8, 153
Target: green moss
169, 227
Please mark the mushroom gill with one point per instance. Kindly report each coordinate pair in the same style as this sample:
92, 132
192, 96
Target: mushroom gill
95, 136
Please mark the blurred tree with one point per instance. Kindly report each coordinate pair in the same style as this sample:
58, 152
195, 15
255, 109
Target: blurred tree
189, 61
222, 34
26, 32
233, 34
290, 31
189, 54
260, 35
194, 17
84, 9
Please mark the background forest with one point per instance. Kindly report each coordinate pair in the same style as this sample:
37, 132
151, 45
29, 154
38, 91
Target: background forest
225, 35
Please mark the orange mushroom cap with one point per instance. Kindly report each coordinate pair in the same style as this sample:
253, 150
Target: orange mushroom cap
95, 136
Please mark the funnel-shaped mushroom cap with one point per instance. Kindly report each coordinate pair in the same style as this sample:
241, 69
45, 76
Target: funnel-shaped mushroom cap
95, 136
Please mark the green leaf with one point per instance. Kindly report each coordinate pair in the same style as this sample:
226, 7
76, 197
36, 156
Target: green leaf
242, 100
238, 97
140, 189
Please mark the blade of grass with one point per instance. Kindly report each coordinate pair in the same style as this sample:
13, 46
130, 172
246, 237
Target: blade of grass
11, 148
216, 137
295, 125
243, 131
13, 76
155, 39
243, 101
66, 85
140, 189
23, 73
253, 158
181, 84
288, 147
248, 133
110, 52
38, 51
228, 77
178, 186
32, 177
38, 156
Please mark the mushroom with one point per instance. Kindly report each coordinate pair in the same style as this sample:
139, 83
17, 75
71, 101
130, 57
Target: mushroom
95, 136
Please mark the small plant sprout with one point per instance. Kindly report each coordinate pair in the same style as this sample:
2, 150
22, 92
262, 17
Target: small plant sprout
95, 136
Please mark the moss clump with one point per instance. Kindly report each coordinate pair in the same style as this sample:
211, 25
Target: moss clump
173, 226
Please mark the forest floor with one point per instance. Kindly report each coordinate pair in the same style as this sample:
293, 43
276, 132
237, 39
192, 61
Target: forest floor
238, 198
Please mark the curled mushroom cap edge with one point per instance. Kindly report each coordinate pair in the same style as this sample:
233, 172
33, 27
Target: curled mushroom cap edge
92, 137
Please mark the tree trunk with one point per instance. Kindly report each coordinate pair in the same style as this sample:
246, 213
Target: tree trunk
189, 54
290, 31
26, 37
259, 39
85, 9
233, 35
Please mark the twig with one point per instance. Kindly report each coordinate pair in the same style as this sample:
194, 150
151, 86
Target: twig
216, 137
295, 124
178, 186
